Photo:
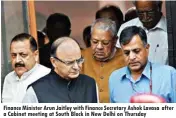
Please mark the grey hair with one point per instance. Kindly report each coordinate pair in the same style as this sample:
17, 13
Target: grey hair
56, 44
105, 25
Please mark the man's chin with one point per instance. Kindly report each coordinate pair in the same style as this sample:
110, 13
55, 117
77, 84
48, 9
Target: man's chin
73, 76
20, 71
100, 58
135, 68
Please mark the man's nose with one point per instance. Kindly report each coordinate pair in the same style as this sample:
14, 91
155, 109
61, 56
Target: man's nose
18, 58
76, 66
145, 16
132, 56
99, 45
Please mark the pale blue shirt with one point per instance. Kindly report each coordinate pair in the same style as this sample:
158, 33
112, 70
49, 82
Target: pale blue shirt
122, 86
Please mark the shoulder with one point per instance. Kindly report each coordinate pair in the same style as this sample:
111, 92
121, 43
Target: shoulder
86, 78
42, 80
119, 73
132, 22
86, 51
164, 71
43, 68
39, 72
163, 68
10, 76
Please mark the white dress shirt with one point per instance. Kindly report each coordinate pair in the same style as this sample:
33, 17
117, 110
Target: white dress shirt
156, 37
15, 88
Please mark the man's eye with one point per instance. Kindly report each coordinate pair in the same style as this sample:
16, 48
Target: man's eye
23, 55
105, 42
94, 41
13, 55
127, 53
136, 51
70, 62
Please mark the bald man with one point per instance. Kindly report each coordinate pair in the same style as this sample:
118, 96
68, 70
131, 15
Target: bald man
64, 84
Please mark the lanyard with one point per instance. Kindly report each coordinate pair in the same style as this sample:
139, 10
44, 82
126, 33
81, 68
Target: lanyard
150, 84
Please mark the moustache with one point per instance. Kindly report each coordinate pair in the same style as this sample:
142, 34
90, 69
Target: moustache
19, 65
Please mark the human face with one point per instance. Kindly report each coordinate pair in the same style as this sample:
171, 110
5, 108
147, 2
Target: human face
136, 54
68, 64
22, 57
149, 13
102, 44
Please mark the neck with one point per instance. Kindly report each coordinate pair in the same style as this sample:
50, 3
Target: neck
136, 75
61, 75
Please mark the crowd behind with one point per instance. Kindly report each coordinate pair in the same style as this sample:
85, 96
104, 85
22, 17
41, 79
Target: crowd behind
125, 60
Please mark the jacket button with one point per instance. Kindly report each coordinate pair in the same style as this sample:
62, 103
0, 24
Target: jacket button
101, 90
101, 77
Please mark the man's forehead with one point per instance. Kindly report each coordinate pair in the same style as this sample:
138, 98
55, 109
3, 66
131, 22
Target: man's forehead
131, 48
20, 45
101, 32
17, 43
145, 4
67, 47
135, 43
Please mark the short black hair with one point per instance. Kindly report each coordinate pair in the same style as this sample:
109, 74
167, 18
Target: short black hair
23, 37
57, 25
41, 38
116, 9
128, 33
131, 14
87, 35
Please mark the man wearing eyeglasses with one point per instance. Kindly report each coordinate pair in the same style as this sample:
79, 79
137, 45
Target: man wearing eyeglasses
103, 57
151, 19
64, 84
141, 77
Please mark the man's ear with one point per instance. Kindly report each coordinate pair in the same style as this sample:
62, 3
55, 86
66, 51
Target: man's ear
147, 48
36, 54
53, 61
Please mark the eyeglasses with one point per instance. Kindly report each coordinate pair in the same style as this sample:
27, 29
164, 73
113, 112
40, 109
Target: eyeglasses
70, 63
103, 42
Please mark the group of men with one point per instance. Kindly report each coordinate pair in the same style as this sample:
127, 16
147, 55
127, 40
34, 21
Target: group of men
118, 65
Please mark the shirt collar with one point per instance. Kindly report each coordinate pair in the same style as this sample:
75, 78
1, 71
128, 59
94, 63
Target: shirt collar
146, 72
26, 74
